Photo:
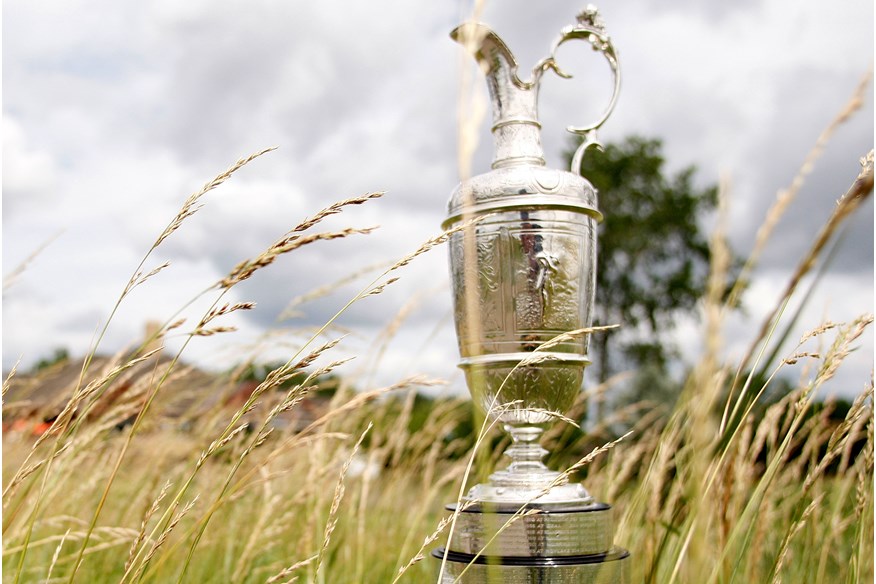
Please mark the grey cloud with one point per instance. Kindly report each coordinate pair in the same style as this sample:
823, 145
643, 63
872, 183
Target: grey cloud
256, 70
363, 96
803, 110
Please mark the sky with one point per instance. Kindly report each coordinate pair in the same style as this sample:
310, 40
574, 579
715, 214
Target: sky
114, 112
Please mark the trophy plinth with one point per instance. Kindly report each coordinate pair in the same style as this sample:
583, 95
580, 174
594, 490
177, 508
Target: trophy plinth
529, 524
523, 275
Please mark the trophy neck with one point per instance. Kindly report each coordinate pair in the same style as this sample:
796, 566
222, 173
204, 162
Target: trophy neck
516, 129
517, 142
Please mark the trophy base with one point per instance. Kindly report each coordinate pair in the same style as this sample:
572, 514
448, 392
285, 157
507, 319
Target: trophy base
529, 524
545, 543
533, 530
611, 567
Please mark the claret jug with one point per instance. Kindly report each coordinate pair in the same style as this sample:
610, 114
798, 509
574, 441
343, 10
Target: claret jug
523, 273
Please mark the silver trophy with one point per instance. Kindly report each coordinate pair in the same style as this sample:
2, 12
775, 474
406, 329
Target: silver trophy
523, 277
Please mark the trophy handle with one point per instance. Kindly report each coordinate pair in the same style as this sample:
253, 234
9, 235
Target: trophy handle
590, 28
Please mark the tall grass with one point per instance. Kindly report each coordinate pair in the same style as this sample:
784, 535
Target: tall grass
713, 491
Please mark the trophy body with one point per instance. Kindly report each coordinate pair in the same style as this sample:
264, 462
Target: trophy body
523, 276
523, 272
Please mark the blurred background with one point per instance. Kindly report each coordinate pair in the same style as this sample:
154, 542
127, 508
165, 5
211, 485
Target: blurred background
113, 113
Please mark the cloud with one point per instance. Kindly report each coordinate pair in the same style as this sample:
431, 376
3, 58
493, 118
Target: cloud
115, 112
30, 173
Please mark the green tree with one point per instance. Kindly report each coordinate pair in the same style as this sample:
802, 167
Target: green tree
60, 355
653, 256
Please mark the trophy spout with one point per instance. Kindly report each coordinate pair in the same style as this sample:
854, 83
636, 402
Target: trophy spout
516, 129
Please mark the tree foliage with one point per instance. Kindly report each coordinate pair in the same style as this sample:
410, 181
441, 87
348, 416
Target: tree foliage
653, 256
60, 355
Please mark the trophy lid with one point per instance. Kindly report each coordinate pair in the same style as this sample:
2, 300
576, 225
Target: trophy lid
522, 187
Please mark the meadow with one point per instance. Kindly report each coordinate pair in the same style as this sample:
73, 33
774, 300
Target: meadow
717, 488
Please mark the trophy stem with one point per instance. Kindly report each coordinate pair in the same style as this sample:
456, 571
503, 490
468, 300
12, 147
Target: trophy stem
526, 471
527, 480
525, 452
527, 476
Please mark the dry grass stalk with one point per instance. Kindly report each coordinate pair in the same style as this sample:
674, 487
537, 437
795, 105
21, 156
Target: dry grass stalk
572, 335
430, 539
332, 521
287, 571
842, 436
785, 197
226, 308
590, 457
55, 556
142, 533
841, 347
293, 397
271, 501
435, 241
11, 278
26, 471
290, 242
555, 415
8, 380
795, 529
817, 331
379, 288
174, 325
217, 444
81, 394
110, 533
319, 292
139, 278
857, 193
217, 330
163, 536
191, 205
334, 209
